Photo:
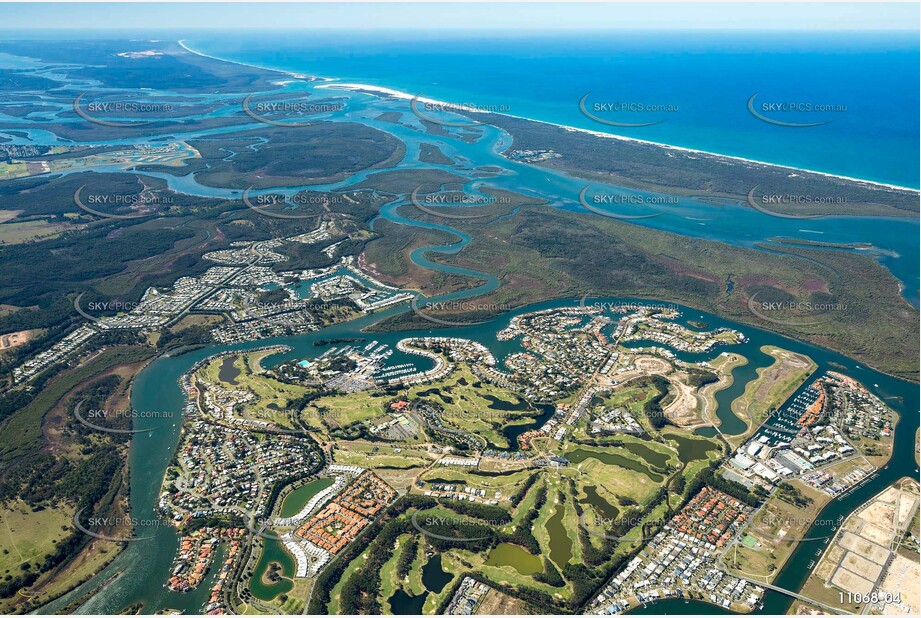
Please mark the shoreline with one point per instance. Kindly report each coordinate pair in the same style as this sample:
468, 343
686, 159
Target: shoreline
332, 83
244, 349
871, 184
292, 74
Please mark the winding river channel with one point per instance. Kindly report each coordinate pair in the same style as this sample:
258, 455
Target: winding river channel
144, 565
480, 162
137, 575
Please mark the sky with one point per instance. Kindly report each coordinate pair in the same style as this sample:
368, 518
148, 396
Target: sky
168, 16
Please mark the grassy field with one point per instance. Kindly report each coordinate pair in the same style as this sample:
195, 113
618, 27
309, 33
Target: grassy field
389, 581
540, 253
616, 481
191, 320
774, 384
27, 536
475, 406
26, 231
334, 597
91, 559
460, 560
506, 484
557, 526
271, 395
468, 404
345, 408
766, 550
22, 432
347, 454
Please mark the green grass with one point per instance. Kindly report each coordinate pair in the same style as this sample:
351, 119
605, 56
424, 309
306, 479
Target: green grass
334, 597
465, 406
541, 253
25, 231
347, 408
508, 484
570, 525
267, 390
389, 581
22, 432
26, 536
470, 408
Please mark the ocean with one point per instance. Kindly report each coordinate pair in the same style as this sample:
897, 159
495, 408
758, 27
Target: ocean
695, 85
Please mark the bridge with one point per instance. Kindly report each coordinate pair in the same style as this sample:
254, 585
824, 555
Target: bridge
833, 610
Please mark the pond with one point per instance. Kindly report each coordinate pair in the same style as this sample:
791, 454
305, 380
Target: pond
691, 449
607, 510
228, 372
612, 459
403, 603
272, 551
434, 577
507, 554
297, 498
652, 456
560, 543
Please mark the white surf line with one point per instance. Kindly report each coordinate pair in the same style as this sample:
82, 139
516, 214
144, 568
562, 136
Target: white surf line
404, 95
183, 45
333, 83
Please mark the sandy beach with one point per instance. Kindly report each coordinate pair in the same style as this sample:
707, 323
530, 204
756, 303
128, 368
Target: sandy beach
333, 84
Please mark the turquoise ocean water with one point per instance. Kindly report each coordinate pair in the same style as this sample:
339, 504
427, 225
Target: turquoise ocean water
699, 82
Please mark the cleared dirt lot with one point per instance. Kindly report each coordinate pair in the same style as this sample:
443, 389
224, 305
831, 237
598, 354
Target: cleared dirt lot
12, 340
904, 580
500, 604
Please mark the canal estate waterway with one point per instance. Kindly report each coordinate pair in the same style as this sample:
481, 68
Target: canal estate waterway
894, 242
145, 563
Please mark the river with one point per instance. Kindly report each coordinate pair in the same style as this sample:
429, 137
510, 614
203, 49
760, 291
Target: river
145, 563
894, 242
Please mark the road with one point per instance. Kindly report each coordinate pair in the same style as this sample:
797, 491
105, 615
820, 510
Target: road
828, 608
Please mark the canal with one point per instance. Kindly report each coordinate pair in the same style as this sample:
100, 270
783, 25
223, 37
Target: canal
145, 563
